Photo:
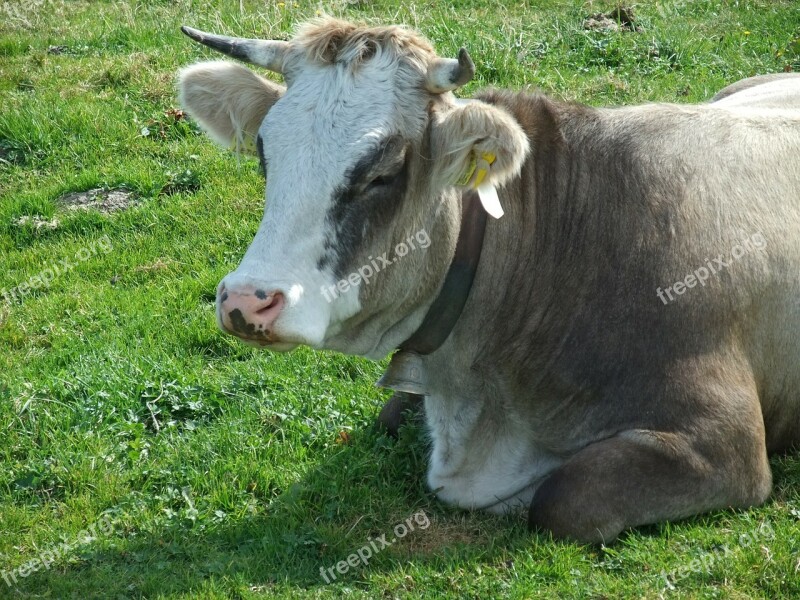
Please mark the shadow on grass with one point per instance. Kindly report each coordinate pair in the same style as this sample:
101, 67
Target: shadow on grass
353, 497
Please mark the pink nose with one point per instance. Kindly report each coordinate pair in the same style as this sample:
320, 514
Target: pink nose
249, 312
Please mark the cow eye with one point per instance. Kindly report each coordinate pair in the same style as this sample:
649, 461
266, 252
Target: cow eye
385, 179
381, 181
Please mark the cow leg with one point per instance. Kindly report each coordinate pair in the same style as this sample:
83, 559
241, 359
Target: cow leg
392, 414
640, 476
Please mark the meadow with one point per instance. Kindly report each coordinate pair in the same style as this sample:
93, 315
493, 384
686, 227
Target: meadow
144, 454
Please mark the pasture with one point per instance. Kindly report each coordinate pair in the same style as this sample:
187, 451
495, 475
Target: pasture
144, 454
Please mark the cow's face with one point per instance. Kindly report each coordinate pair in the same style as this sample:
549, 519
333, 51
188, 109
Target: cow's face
360, 152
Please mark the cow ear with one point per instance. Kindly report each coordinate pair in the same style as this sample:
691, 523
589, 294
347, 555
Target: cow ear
228, 100
477, 143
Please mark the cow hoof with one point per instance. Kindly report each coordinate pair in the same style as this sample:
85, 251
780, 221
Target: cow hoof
392, 413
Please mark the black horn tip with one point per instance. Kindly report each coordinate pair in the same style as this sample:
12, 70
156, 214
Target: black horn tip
192, 33
466, 68
221, 43
465, 60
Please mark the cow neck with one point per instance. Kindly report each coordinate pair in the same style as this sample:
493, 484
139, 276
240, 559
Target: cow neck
405, 372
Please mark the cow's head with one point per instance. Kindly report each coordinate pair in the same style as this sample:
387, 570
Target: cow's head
361, 151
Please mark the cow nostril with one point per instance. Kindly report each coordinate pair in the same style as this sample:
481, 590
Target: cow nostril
272, 301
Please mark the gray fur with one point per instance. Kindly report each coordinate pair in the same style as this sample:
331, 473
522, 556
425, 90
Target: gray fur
641, 411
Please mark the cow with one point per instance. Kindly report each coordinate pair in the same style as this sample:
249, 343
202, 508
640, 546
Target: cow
619, 348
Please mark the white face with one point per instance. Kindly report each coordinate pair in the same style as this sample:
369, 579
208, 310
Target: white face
330, 135
360, 158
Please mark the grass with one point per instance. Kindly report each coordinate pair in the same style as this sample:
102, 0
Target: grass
211, 470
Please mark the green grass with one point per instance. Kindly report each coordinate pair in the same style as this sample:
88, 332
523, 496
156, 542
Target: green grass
224, 472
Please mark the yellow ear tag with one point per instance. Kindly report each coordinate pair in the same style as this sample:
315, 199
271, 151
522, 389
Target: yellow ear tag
474, 177
483, 166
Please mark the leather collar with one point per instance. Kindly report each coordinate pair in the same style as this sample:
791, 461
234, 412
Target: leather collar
405, 372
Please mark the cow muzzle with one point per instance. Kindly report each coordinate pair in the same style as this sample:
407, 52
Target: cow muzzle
250, 313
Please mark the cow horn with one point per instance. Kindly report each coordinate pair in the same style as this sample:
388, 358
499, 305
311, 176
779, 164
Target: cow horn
446, 74
265, 53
